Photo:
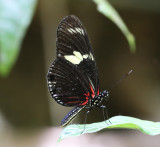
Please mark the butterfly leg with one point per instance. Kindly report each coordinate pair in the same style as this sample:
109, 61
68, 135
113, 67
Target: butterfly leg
89, 109
104, 109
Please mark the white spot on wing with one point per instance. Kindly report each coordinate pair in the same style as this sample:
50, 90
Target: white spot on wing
71, 30
78, 57
73, 59
91, 56
76, 30
85, 56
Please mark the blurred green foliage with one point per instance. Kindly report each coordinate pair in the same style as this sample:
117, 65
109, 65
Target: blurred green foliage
15, 17
104, 7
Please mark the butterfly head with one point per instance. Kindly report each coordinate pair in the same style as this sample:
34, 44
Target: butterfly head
105, 94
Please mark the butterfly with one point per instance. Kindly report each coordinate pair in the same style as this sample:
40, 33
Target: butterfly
73, 76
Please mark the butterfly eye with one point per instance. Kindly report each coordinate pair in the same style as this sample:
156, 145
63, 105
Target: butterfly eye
106, 94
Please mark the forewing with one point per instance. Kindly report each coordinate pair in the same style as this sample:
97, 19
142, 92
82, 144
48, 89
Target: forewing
74, 47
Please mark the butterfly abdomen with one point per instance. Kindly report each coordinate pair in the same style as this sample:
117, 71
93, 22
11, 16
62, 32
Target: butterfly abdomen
71, 115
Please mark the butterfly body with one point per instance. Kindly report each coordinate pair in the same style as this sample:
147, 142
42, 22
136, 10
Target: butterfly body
73, 76
92, 102
96, 101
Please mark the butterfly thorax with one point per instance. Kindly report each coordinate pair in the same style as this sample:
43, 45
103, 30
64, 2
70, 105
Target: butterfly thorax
97, 100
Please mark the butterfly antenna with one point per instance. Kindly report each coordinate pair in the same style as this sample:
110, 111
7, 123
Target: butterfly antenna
121, 79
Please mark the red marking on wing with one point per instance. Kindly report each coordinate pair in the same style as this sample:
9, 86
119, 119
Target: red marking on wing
93, 94
87, 95
74, 102
98, 92
84, 103
75, 97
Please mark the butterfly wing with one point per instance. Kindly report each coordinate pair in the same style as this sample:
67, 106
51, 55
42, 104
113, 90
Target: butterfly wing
72, 77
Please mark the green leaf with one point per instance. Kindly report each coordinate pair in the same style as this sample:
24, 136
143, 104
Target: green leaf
104, 7
15, 17
117, 122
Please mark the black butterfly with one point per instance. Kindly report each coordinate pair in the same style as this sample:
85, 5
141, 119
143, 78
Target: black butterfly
72, 77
